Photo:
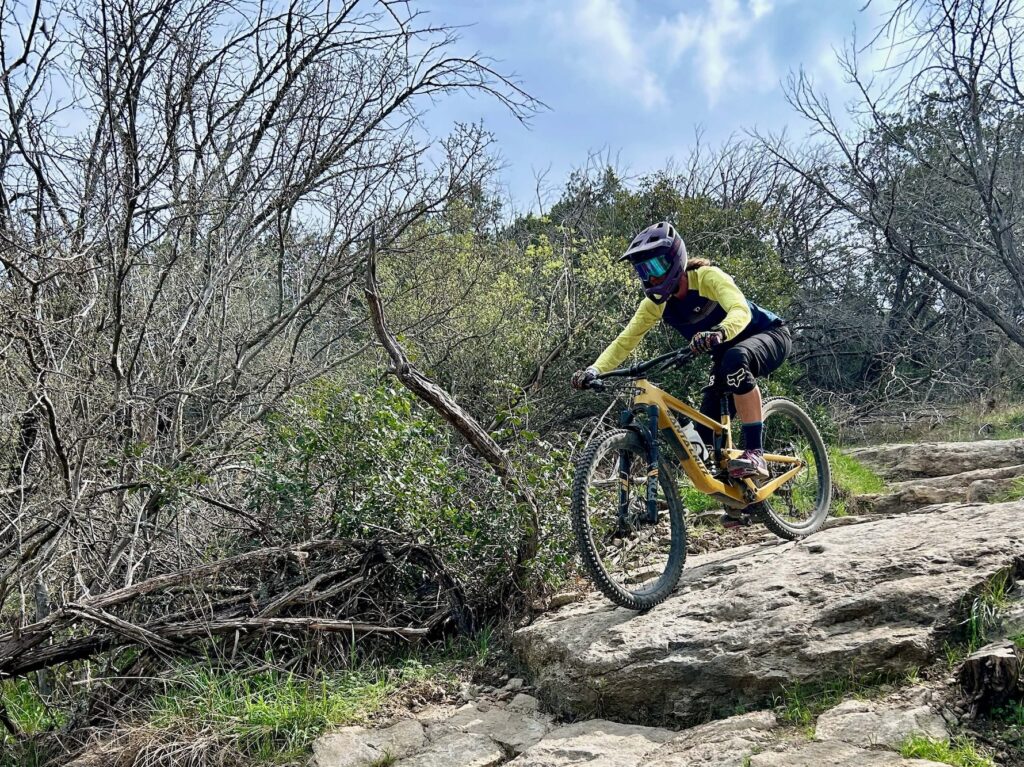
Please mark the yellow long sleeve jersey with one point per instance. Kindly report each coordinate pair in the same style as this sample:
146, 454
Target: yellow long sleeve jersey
712, 301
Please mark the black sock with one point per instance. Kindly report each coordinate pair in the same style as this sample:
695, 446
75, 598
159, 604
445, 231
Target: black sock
753, 435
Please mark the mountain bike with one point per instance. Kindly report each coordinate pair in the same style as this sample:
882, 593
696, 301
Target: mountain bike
627, 516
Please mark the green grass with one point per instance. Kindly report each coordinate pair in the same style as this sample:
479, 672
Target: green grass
1011, 714
32, 716
1018, 639
267, 715
273, 715
986, 609
960, 752
1014, 493
695, 501
800, 704
850, 478
26, 708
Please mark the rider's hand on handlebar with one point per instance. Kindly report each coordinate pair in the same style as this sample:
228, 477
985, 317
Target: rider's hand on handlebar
706, 340
582, 379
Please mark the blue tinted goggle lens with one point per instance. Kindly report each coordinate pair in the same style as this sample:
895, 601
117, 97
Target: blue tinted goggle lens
653, 267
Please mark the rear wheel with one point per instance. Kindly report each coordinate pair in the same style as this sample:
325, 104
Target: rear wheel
800, 507
634, 561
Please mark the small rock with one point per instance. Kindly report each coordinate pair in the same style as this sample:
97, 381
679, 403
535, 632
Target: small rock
515, 683
563, 599
525, 703
515, 730
468, 692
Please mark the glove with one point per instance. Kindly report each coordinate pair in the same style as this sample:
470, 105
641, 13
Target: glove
581, 378
706, 340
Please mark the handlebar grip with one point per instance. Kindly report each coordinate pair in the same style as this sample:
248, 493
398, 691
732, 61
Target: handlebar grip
597, 385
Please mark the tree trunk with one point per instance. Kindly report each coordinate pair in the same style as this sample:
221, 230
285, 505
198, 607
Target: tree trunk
446, 405
991, 677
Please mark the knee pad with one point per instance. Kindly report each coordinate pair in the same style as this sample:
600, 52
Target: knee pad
734, 372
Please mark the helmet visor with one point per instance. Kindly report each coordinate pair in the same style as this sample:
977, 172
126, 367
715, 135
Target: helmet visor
652, 269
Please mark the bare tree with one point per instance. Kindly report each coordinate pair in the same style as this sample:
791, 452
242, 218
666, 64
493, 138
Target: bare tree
187, 189
933, 167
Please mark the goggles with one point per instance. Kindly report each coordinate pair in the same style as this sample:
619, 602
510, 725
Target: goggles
653, 268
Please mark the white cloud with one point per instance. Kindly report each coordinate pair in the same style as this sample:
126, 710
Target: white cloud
619, 42
610, 48
761, 7
723, 53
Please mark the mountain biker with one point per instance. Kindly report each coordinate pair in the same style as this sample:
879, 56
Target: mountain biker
703, 304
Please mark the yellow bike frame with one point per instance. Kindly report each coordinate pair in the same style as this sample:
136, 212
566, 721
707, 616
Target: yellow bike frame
732, 495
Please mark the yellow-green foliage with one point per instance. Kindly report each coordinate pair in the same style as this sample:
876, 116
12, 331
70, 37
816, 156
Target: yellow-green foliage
482, 308
1014, 493
272, 715
960, 752
850, 478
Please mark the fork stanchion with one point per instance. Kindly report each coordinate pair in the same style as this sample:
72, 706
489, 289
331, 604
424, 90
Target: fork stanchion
652, 464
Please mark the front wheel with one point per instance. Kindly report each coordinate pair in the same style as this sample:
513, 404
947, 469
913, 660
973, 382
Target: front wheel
800, 507
635, 561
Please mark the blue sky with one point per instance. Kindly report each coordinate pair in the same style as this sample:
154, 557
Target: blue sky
637, 77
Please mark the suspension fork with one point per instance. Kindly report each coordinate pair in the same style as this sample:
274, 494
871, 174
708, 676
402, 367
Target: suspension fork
652, 464
649, 430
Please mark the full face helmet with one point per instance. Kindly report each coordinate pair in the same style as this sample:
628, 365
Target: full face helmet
658, 254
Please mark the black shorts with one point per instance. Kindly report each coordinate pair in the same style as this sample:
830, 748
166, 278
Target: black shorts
736, 367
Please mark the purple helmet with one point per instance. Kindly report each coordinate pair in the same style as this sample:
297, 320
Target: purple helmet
658, 254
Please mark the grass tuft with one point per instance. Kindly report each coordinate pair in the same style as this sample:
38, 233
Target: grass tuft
26, 708
851, 478
1014, 493
986, 609
960, 752
273, 715
1012, 714
800, 704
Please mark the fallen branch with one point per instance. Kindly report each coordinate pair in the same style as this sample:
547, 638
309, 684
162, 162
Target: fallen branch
354, 588
449, 409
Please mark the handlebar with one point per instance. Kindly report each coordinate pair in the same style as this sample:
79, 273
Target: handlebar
670, 359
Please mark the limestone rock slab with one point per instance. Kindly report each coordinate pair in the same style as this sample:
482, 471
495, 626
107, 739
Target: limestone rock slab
725, 743
835, 754
937, 459
596, 743
746, 621
980, 485
515, 729
457, 750
359, 746
873, 723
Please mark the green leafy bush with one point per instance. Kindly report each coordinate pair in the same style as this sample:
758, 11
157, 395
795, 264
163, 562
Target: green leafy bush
340, 462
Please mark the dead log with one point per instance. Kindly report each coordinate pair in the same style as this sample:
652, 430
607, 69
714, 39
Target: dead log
991, 677
353, 588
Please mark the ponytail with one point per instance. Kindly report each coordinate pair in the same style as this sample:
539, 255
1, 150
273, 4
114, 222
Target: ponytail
696, 263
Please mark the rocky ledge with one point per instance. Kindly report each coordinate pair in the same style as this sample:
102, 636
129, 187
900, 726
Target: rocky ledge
853, 734
877, 597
